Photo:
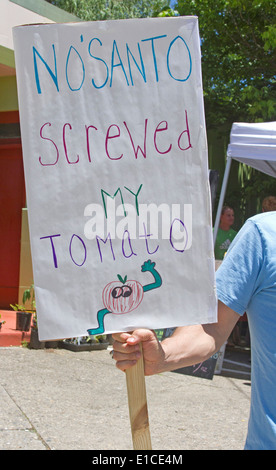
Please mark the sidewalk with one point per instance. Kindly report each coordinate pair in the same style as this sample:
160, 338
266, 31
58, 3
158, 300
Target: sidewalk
55, 399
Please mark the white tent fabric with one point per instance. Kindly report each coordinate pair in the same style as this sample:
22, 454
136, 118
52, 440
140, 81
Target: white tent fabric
252, 144
255, 145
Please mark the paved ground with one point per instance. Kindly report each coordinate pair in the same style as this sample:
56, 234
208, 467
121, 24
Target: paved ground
58, 399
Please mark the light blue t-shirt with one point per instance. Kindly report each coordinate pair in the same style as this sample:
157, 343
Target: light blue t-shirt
246, 282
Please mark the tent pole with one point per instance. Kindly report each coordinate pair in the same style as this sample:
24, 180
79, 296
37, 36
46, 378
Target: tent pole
222, 195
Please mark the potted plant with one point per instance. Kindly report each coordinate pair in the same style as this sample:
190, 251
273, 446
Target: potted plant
24, 315
86, 343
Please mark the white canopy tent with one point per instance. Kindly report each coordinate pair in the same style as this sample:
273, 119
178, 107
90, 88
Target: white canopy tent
254, 145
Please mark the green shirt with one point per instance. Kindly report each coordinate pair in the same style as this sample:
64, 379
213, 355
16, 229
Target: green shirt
223, 241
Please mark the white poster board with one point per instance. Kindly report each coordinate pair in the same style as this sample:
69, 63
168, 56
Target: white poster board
116, 170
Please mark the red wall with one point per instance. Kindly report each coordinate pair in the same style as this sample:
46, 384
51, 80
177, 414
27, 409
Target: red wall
12, 199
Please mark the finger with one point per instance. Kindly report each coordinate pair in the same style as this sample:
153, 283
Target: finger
125, 348
125, 365
134, 337
122, 356
121, 337
140, 336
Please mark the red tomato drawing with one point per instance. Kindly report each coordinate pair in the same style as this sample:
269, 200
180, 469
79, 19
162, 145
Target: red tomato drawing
122, 297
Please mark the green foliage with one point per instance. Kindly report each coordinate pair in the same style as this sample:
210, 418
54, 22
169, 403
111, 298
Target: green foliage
167, 11
91, 10
28, 294
238, 40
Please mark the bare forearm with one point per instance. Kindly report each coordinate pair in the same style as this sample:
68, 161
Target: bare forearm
187, 346
194, 344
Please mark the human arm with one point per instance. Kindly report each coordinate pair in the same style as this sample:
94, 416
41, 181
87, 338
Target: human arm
187, 346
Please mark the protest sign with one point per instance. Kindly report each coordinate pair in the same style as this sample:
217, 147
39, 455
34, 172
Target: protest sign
116, 170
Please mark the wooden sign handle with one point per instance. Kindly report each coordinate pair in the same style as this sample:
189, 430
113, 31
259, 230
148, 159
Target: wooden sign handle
137, 404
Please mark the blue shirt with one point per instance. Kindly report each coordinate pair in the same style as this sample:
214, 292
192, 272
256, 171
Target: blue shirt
246, 282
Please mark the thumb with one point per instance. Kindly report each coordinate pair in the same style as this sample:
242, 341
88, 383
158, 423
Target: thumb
140, 336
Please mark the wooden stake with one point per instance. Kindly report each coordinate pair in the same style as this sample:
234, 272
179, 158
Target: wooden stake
138, 408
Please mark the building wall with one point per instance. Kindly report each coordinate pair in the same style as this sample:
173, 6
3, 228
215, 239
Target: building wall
12, 199
8, 94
